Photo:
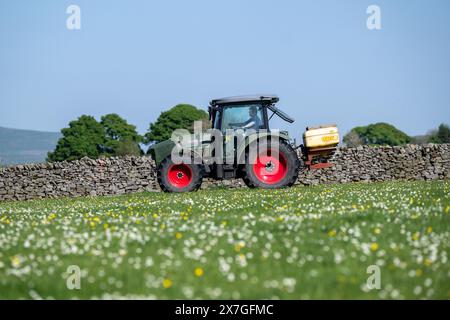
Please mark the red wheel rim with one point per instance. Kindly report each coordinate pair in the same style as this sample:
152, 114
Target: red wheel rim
269, 168
180, 175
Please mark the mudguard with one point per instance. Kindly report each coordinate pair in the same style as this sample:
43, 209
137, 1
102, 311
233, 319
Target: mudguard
161, 150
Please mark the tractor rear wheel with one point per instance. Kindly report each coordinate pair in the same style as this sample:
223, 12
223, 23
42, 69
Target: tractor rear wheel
273, 165
179, 177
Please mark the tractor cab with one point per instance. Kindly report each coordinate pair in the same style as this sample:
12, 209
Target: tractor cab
245, 112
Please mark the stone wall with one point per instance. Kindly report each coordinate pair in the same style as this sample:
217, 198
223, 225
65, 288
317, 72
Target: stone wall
134, 174
78, 178
370, 164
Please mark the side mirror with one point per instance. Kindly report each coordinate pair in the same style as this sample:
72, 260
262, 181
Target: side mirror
210, 112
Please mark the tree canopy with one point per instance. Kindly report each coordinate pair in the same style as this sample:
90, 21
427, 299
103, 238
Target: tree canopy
80, 139
441, 135
86, 137
118, 128
182, 116
376, 134
121, 137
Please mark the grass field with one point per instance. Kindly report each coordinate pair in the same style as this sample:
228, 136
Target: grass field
301, 242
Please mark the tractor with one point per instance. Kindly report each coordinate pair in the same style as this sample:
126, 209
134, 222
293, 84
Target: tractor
240, 144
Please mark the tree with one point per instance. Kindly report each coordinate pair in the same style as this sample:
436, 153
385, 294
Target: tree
378, 134
422, 139
121, 138
442, 135
182, 116
81, 139
127, 147
352, 139
85, 137
205, 124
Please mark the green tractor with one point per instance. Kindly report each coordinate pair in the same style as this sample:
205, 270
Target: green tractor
241, 145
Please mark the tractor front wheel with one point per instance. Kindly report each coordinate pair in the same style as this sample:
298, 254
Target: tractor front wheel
179, 177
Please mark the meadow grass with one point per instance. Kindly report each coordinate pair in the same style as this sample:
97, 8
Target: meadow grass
295, 243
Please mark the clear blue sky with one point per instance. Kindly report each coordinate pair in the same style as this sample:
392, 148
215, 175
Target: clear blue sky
137, 58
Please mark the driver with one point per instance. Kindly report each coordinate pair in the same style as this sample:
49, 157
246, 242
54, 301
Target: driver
253, 122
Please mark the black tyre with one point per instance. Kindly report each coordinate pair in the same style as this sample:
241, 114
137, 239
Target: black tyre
179, 177
273, 165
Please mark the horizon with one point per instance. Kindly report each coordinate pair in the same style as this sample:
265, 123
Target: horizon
141, 133
139, 60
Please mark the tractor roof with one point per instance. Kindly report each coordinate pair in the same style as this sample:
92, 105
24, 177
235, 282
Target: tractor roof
250, 98
268, 98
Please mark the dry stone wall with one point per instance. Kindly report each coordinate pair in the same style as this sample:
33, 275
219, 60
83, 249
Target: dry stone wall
85, 177
112, 176
370, 164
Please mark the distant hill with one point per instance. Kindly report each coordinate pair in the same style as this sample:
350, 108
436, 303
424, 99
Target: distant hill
25, 146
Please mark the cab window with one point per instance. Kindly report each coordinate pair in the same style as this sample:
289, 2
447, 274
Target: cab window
246, 116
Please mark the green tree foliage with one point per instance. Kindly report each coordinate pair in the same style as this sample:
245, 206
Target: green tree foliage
205, 124
121, 137
80, 139
442, 135
182, 116
86, 137
127, 147
377, 134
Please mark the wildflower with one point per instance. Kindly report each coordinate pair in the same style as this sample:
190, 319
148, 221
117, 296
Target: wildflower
5, 220
198, 272
51, 217
16, 261
178, 235
377, 230
374, 246
238, 246
167, 283
416, 236
149, 262
332, 233
429, 229
428, 262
